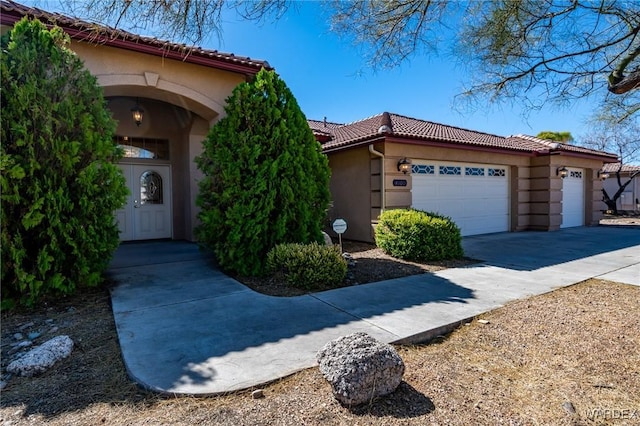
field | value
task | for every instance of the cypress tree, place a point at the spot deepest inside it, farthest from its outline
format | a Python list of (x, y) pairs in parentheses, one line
[(60, 184), (266, 180)]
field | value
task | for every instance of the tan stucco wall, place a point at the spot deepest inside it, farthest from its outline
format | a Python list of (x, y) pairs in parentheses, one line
[(199, 132), (195, 88), (351, 191)]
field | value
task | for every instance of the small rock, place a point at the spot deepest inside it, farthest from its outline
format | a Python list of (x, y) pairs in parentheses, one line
[(327, 239), (482, 321), (3, 385), (42, 357), (53, 330), (568, 407), (25, 326), (16, 347), (49, 321), (71, 309), (34, 335), (257, 394), (351, 262), (18, 336)]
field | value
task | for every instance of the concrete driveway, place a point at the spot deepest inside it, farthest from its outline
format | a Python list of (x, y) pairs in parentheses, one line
[(186, 328)]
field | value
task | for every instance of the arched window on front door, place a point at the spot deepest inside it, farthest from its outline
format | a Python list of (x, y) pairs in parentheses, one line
[(150, 188)]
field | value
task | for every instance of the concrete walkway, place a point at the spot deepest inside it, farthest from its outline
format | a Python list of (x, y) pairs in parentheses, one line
[(186, 328)]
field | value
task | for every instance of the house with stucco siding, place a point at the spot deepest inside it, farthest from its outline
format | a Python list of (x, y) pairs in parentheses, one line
[(485, 183), (166, 96), (181, 92)]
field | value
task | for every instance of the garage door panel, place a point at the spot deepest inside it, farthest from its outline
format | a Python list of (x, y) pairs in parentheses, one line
[(492, 209), (477, 201), (573, 199)]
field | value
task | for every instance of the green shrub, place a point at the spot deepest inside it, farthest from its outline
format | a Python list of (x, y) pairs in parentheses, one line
[(266, 180), (59, 181), (416, 235), (307, 266)]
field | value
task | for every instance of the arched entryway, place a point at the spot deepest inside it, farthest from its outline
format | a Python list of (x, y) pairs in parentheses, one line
[(159, 167)]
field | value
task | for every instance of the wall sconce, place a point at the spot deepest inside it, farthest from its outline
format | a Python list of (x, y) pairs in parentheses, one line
[(603, 175), (562, 172), (137, 113), (404, 165)]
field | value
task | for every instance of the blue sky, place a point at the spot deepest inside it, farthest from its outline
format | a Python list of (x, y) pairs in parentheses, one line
[(329, 78)]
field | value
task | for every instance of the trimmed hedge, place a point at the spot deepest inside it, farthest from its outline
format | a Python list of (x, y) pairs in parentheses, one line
[(417, 235), (307, 266)]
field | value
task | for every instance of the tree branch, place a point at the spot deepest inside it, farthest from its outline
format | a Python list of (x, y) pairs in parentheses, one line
[(619, 83)]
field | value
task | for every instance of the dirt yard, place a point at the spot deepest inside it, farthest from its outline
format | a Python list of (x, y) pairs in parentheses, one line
[(569, 357)]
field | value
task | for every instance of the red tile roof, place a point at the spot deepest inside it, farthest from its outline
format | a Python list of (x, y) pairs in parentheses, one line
[(399, 126), (322, 126), (626, 168), (565, 146), (11, 12)]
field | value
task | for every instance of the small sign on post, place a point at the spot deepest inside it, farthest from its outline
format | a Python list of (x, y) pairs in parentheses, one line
[(339, 226)]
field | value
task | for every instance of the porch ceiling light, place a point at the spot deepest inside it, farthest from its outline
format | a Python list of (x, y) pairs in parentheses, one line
[(404, 165), (137, 113), (603, 175), (562, 172)]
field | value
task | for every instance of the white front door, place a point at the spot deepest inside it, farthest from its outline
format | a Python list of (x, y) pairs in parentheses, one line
[(147, 214)]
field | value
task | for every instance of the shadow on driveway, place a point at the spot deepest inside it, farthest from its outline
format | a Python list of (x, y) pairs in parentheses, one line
[(185, 327)]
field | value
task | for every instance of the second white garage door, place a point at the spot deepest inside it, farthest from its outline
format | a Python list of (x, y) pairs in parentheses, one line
[(573, 199), (475, 196)]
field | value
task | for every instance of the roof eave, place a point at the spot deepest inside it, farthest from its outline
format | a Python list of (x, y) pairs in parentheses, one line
[(10, 17), (354, 144), (168, 54), (604, 157), (429, 142), (461, 145)]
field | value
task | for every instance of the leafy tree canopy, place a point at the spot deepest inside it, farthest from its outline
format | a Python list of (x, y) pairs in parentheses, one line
[(564, 137), (532, 52)]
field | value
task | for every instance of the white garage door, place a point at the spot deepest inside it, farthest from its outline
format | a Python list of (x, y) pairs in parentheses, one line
[(573, 199), (475, 196)]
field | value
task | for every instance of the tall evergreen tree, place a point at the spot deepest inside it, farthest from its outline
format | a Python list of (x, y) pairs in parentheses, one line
[(266, 180), (59, 183)]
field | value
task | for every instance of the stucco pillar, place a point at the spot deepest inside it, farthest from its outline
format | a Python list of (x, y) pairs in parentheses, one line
[(545, 195)]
